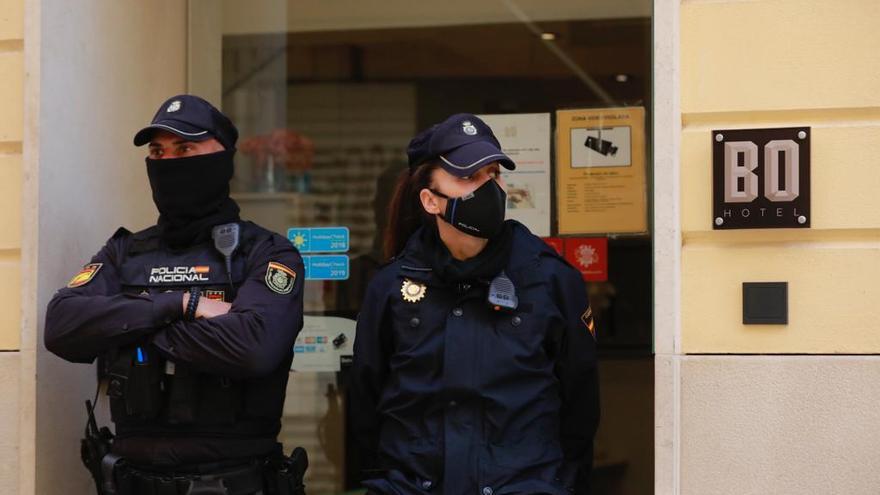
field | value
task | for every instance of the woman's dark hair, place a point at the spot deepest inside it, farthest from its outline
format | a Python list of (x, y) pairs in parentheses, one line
[(405, 212)]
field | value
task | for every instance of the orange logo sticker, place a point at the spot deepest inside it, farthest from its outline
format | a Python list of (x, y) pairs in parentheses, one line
[(85, 275)]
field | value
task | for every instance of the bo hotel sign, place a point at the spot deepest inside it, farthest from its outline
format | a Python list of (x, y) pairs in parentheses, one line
[(761, 178)]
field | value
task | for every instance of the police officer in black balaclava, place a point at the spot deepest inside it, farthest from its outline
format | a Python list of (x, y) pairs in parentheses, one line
[(475, 359), (194, 320)]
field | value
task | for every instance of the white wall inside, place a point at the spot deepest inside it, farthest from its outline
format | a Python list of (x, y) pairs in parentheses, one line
[(104, 69)]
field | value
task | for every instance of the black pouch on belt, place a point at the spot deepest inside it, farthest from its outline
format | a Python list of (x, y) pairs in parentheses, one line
[(143, 389), (220, 400), (183, 393)]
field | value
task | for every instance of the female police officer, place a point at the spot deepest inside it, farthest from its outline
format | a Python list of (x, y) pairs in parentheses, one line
[(475, 363)]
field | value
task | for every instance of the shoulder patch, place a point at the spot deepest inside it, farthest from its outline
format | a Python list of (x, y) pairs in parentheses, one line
[(85, 275), (280, 278), (587, 319)]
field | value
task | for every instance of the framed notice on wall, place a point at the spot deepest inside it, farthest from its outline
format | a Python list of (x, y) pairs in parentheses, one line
[(601, 184), (525, 138)]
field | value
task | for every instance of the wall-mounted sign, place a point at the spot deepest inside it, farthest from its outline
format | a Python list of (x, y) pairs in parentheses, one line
[(326, 266), (322, 343), (319, 239), (761, 178), (589, 255), (525, 138), (601, 184)]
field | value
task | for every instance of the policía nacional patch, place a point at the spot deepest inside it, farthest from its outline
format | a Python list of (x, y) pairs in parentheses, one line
[(587, 319), (280, 278), (85, 275)]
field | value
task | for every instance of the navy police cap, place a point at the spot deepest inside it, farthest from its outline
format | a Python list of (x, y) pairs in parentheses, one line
[(192, 118), (462, 144)]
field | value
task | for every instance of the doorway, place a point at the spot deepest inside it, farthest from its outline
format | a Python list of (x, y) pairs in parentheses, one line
[(326, 101)]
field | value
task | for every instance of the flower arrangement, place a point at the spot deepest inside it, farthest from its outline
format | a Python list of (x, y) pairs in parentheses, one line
[(287, 148)]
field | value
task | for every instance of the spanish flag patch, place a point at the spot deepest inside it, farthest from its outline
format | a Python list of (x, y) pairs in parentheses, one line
[(587, 319), (85, 275)]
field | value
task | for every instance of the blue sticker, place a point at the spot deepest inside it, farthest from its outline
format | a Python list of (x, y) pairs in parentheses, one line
[(326, 267), (320, 239)]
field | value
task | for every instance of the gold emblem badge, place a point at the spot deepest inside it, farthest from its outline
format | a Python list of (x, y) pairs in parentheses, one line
[(413, 292)]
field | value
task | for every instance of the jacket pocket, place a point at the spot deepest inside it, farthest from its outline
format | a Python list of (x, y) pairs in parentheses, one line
[(530, 466)]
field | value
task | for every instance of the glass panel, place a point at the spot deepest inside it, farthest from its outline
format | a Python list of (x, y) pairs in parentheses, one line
[(326, 96)]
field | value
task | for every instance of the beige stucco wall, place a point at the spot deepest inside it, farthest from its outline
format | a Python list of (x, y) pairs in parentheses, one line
[(783, 425), (103, 68), (784, 63), (11, 132), (776, 423), (11, 170)]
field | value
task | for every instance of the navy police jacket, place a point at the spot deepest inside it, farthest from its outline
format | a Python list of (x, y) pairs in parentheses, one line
[(451, 396), (186, 391)]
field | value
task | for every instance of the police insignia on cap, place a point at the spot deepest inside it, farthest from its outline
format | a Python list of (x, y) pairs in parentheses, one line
[(468, 128), (280, 278), (587, 319), (85, 275), (173, 106), (412, 291)]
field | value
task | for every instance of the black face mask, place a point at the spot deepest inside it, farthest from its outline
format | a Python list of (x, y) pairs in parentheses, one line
[(480, 213), (192, 195)]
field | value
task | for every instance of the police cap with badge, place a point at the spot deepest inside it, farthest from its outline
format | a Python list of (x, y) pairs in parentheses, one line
[(191, 118), (463, 144)]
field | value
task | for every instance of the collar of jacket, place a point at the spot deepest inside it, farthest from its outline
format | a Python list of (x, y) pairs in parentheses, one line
[(521, 268)]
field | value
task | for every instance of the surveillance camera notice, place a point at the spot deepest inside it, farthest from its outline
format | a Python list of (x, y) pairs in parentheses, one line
[(601, 147), (601, 182)]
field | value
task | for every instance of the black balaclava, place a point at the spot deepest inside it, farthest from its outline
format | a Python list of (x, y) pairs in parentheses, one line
[(192, 195), (479, 213)]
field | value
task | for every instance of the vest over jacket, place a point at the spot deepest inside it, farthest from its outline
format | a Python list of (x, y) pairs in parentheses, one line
[(186, 392)]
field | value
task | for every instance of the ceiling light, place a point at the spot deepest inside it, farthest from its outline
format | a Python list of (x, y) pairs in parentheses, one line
[(621, 78), (548, 36)]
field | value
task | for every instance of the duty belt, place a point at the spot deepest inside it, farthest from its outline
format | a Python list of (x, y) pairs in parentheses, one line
[(245, 480)]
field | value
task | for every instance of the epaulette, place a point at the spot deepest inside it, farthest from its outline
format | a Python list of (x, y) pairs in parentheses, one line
[(144, 240), (121, 232)]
